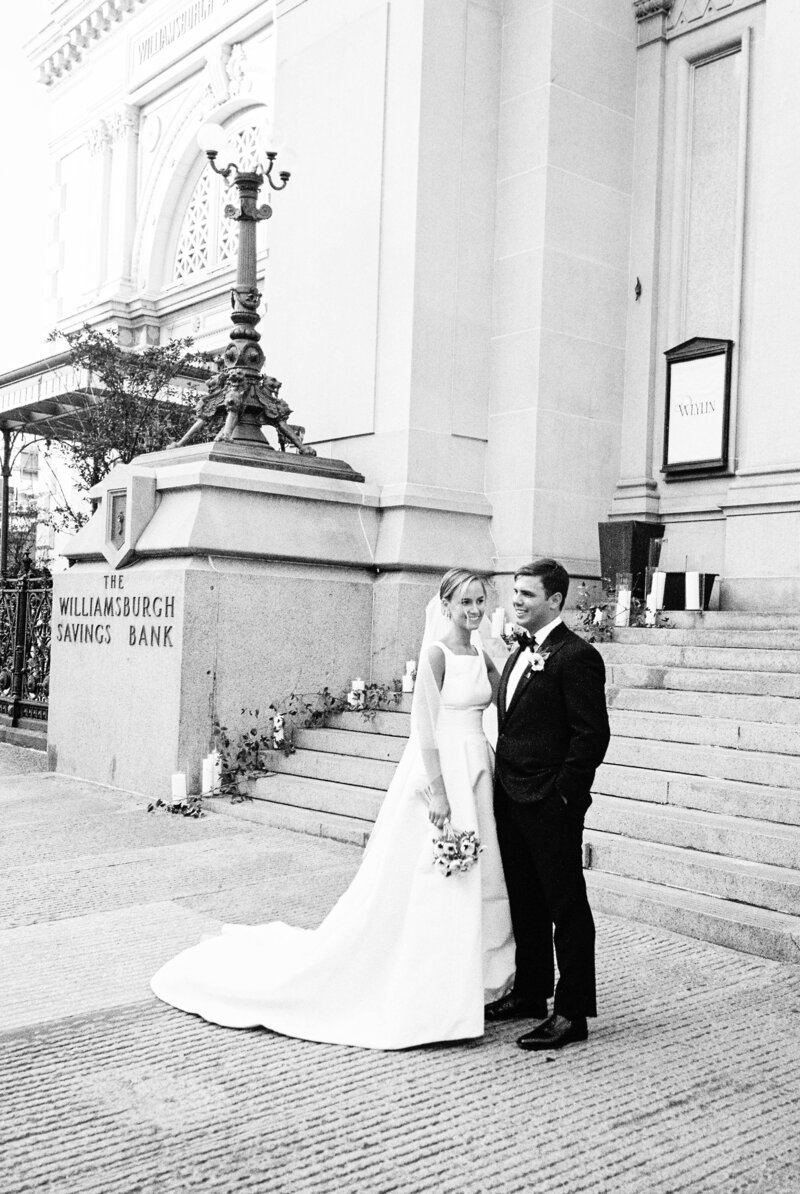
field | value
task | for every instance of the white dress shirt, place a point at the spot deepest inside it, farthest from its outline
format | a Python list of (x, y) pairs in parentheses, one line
[(524, 659)]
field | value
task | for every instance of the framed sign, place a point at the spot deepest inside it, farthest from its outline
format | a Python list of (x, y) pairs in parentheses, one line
[(697, 408)]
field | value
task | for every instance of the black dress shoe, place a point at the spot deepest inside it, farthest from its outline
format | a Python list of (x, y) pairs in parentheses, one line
[(554, 1033), (514, 1007)]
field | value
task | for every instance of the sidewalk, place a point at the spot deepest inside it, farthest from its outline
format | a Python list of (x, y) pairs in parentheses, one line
[(690, 1080)]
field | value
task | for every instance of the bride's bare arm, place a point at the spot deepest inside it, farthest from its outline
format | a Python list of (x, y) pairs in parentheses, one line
[(494, 677), (438, 804)]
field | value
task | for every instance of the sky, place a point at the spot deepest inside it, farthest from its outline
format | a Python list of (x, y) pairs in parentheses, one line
[(25, 175)]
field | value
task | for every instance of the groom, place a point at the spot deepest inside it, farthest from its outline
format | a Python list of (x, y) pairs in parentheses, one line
[(553, 734)]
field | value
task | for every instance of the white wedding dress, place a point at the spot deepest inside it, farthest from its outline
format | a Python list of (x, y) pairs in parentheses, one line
[(408, 955)]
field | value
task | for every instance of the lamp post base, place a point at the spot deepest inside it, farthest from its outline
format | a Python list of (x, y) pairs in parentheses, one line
[(252, 454)]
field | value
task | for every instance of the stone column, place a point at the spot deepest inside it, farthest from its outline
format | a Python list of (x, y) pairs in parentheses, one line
[(98, 191), (636, 494), (381, 263), (123, 125), (770, 431), (762, 545), (380, 268), (560, 278)]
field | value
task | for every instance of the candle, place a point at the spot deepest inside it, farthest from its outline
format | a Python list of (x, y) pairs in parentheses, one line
[(659, 581), (211, 768), (407, 682), (358, 685), (411, 667), (623, 614), (655, 598), (498, 622), (693, 591), (179, 786)]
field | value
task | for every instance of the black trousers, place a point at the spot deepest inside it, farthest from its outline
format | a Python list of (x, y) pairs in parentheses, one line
[(540, 844)]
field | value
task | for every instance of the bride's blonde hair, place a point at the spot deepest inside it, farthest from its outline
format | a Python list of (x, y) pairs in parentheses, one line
[(453, 580)]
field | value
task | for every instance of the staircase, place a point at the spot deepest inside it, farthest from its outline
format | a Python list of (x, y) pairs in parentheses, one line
[(695, 824), (334, 783)]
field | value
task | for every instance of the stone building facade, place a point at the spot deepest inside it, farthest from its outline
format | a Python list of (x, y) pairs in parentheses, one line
[(502, 214)]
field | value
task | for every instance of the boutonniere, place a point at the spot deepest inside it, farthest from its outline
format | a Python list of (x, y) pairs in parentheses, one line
[(515, 637), (537, 660)]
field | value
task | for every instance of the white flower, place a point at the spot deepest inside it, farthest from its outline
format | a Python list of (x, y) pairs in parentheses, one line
[(456, 850)]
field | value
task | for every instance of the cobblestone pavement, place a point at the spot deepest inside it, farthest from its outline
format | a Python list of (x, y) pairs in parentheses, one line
[(690, 1080)]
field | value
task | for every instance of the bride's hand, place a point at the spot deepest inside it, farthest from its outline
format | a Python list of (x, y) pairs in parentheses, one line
[(438, 808)]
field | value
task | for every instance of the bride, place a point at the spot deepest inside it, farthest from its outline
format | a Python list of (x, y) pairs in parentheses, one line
[(408, 955)]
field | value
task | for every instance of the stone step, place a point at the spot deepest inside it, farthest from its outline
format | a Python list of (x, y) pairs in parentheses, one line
[(661, 654), (692, 829), (360, 744), (296, 817), (725, 922), (383, 722), (716, 762), (706, 731), (758, 884), (749, 639), (32, 735), (729, 798), (336, 768), (733, 619), (345, 800), (774, 710), (623, 674), (655, 771)]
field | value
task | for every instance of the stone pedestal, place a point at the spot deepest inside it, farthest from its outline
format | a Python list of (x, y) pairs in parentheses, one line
[(202, 590)]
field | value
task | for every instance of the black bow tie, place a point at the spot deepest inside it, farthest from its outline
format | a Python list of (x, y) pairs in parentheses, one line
[(527, 641)]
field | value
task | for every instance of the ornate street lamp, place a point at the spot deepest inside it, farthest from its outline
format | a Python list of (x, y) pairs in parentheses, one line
[(241, 396)]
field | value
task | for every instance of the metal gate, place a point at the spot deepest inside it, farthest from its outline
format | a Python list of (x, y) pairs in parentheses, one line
[(26, 606)]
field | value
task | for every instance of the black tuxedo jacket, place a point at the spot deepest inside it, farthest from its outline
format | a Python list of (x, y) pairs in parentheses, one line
[(553, 735)]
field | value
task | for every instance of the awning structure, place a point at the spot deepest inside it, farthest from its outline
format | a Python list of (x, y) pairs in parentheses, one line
[(46, 399), (43, 399), (51, 418)]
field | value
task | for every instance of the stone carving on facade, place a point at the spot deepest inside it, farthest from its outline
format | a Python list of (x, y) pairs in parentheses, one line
[(112, 128), (81, 36), (695, 12), (239, 82), (650, 8), (226, 73), (98, 138), (215, 74), (123, 121)]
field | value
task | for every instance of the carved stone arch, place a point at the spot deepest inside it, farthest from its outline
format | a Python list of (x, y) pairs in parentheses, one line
[(173, 177)]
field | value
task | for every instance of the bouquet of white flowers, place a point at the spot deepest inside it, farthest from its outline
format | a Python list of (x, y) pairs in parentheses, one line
[(456, 849)]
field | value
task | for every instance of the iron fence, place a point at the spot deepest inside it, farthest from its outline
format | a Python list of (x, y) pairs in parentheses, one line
[(26, 606)]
